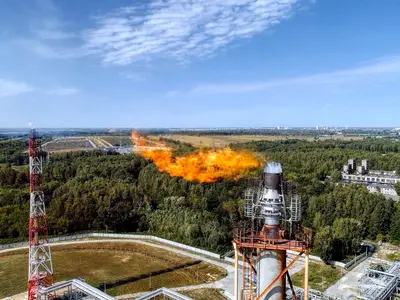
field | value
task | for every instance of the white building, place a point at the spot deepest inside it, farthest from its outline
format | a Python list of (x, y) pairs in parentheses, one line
[(369, 178), (382, 189), (376, 181)]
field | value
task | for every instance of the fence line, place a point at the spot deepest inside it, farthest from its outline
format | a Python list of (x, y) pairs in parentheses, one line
[(164, 241), (114, 235), (355, 261)]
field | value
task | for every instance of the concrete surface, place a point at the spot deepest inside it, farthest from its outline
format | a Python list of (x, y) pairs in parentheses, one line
[(347, 286)]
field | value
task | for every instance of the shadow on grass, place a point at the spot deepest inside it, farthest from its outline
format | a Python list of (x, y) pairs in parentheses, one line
[(117, 283)]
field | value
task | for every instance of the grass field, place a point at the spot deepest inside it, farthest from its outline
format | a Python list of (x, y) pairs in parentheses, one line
[(219, 141), (321, 276), (119, 268), (85, 143), (68, 144), (389, 252), (117, 140), (205, 294)]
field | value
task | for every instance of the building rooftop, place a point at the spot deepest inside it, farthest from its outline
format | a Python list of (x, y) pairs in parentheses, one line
[(381, 185)]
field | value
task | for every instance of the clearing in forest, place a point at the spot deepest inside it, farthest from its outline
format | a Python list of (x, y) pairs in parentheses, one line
[(220, 141), (118, 268)]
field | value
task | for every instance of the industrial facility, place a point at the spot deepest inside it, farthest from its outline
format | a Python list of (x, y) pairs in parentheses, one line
[(380, 282), (41, 284), (273, 229), (376, 181), (261, 264)]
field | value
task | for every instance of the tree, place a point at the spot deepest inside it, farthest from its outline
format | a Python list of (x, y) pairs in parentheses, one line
[(323, 243), (336, 176), (348, 232), (394, 233), (397, 188)]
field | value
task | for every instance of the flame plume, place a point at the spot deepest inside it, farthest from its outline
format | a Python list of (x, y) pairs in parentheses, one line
[(205, 165)]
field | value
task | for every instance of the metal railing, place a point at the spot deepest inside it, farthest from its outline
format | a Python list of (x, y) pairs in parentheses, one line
[(170, 294), (74, 284), (355, 261)]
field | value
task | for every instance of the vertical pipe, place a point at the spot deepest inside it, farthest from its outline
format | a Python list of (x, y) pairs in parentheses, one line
[(282, 266), (236, 271), (306, 277), (242, 291)]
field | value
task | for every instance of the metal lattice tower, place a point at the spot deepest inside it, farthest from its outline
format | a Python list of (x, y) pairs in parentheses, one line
[(40, 269)]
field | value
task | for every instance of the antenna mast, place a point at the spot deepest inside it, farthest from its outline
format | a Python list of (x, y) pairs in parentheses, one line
[(40, 269)]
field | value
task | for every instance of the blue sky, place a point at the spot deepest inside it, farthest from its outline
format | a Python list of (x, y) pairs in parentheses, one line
[(170, 63)]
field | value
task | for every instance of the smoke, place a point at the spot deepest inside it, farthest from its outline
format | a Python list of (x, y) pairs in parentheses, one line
[(273, 167)]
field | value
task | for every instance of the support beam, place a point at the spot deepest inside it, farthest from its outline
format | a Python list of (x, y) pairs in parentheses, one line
[(306, 276), (236, 292), (291, 286), (248, 261), (265, 291)]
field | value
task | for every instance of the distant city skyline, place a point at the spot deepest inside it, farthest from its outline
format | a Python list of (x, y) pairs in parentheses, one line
[(213, 63)]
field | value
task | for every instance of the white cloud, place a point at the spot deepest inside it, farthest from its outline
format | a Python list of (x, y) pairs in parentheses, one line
[(181, 29), (10, 88), (50, 51), (376, 71), (53, 34), (13, 88), (51, 28), (62, 91), (50, 37)]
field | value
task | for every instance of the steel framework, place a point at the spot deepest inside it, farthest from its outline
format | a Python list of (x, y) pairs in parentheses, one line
[(381, 282), (73, 289), (264, 202), (40, 269), (250, 244)]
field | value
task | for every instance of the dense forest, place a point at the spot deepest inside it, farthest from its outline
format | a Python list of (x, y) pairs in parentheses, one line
[(126, 193), (12, 151)]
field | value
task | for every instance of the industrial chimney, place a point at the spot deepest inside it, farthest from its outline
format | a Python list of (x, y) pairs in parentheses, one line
[(271, 262), (263, 248)]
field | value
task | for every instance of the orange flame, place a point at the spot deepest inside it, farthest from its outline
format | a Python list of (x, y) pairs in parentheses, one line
[(204, 166)]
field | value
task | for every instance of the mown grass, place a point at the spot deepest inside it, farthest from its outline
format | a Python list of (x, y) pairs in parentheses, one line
[(102, 264), (219, 140), (205, 294), (224, 140), (389, 252), (393, 256), (321, 276)]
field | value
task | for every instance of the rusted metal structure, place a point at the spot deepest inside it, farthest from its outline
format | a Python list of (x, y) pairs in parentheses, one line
[(260, 248)]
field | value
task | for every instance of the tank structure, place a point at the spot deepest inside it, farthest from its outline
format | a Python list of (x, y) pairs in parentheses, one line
[(262, 245)]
